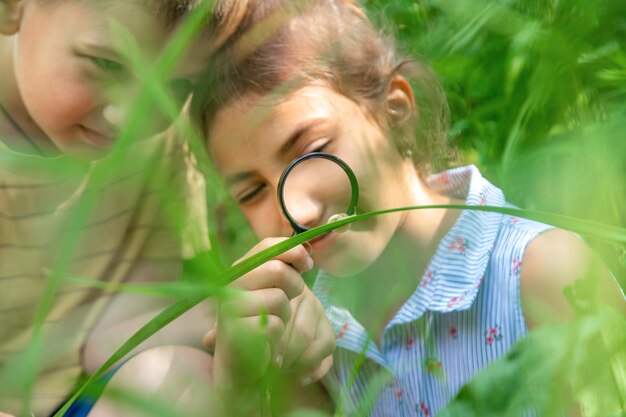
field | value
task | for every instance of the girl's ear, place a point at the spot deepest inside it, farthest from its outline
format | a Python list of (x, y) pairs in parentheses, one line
[(10, 16), (400, 102)]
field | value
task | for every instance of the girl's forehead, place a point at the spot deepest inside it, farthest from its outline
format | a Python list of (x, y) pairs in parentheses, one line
[(255, 128), (252, 116)]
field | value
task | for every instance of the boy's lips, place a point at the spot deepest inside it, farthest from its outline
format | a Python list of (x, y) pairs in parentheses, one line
[(96, 138)]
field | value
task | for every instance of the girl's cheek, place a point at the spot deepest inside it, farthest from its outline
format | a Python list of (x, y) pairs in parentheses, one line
[(264, 220), (259, 226)]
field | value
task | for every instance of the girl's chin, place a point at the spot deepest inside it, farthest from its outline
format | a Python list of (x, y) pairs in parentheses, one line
[(338, 262), (324, 243)]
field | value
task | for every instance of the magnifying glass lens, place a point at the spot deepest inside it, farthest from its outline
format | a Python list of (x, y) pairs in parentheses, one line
[(316, 184)]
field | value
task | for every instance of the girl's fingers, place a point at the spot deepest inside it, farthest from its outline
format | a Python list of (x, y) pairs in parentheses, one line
[(260, 315), (318, 372), (249, 329), (299, 257), (272, 274), (309, 337), (318, 350), (208, 340), (254, 322), (301, 329), (268, 301)]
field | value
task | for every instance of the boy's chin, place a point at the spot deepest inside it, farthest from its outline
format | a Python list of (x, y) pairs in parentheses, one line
[(80, 149), (84, 152)]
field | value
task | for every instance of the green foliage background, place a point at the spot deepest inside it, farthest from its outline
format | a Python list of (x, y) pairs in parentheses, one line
[(537, 91)]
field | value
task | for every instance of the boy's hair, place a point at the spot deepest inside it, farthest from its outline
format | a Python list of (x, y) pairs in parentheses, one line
[(283, 44), (225, 14), (171, 11), (222, 22)]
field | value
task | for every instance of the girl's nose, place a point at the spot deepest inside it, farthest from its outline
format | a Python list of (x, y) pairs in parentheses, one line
[(304, 208)]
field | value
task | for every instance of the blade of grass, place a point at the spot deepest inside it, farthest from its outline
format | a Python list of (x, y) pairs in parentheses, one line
[(581, 226)]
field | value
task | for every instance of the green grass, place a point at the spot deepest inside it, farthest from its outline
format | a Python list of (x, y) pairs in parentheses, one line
[(537, 91)]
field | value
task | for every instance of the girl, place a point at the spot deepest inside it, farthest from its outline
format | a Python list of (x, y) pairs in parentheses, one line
[(430, 297)]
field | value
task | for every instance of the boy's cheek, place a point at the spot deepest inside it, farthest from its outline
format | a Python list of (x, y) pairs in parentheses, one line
[(65, 104)]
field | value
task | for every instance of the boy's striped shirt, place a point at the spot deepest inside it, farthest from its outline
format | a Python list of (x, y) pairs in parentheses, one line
[(129, 224)]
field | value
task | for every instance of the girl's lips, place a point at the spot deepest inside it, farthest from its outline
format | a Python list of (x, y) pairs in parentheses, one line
[(323, 242)]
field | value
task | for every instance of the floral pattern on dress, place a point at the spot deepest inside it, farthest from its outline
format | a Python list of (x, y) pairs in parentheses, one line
[(494, 334), (516, 266), (483, 198), (428, 276), (343, 331), (454, 332), (410, 343), (422, 409), (455, 300), (398, 394), (460, 245)]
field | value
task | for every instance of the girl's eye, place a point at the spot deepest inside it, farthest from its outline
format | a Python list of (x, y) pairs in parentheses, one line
[(106, 64), (250, 195), (318, 147)]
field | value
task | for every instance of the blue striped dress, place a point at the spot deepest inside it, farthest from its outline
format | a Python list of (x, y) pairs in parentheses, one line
[(464, 314)]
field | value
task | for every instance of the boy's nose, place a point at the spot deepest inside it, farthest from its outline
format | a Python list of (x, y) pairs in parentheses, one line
[(118, 113), (115, 115), (120, 102)]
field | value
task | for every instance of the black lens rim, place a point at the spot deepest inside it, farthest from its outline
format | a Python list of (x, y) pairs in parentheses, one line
[(297, 227)]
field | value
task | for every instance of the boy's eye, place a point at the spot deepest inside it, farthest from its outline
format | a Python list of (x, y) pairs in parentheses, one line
[(248, 196), (106, 64)]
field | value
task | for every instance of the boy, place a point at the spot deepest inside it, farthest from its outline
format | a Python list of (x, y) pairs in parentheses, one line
[(66, 91)]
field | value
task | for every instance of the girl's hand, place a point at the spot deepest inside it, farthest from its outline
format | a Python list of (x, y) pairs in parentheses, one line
[(251, 323), (305, 348)]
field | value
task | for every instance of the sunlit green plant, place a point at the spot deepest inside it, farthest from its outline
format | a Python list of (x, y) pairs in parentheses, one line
[(537, 91)]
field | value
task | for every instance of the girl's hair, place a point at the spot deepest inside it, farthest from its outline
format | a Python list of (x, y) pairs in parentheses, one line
[(283, 44)]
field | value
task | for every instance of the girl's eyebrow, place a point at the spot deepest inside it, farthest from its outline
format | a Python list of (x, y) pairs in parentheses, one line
[(238, 177), (286, 147), (297, 135)]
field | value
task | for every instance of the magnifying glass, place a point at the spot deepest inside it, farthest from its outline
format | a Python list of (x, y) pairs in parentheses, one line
[(322, 176)]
